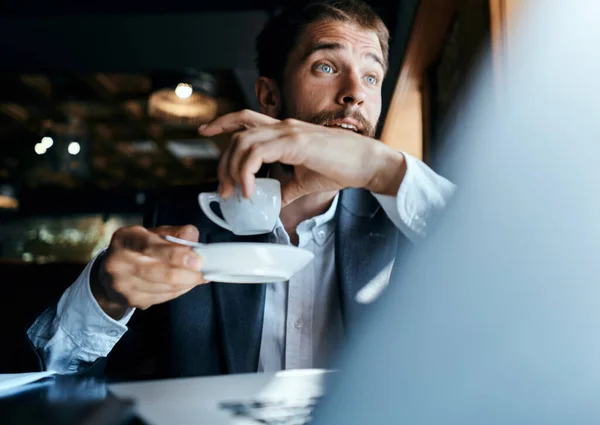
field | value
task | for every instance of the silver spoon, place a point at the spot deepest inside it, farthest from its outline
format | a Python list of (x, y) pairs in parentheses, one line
[(182, 241)]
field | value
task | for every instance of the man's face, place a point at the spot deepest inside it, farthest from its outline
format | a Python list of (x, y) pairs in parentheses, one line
[(333, 77)]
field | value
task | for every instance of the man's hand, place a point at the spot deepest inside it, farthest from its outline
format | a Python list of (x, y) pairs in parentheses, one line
[(141, 269), (325, 158)]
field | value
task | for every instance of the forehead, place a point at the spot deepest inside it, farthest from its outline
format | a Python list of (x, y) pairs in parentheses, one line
[(349, 34)]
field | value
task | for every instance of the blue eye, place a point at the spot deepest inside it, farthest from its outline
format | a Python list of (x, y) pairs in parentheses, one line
[(371, 80), (327, 69)]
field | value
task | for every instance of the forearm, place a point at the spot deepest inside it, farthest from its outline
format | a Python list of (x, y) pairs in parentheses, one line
[(390, 169), (76, 332), (99, 282)]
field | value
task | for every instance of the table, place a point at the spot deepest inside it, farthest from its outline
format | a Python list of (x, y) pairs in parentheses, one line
[(231, 399), (65, 400), (217, 400)]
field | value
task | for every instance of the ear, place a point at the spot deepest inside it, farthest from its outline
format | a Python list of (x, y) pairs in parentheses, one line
[(269, 96)]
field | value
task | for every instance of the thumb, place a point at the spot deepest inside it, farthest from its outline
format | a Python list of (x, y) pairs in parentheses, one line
[(188, 232), (290, 192)]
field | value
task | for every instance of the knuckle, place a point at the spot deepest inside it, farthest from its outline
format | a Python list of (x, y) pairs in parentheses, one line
[(295, 136), (172, 276), (126, 236), (136, 229), (222, 170), (171, 254), (138, 303), (177, 255), (290, 122), (189, 230), (236, 138), (119, 235), (130, 297), (255, 149), (245, 144), (300, 138), (199, 278), (144, 246), (233, 174), (175, 294), (142, 272), (200, 261), (121, 289), (195, 279), (242, 140), (161, 229), (250, 162), (112, 265)]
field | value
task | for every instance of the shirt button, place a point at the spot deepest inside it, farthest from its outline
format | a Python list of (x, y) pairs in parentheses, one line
[(321, 234), (112, 332), (298, 324)]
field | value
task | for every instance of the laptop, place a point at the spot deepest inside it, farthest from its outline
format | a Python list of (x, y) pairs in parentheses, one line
[(495, 318)]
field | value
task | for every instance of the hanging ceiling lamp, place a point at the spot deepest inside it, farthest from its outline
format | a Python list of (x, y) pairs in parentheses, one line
[(8, 197), (190, 101)]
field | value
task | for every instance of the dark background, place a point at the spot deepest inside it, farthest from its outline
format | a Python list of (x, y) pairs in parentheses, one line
[(96, 64), (84, 71)]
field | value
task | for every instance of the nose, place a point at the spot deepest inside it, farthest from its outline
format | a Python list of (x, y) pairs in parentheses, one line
[(353, 92)]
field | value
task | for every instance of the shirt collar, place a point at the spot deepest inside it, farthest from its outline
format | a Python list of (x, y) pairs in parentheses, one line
[(328, 215), (318, 228)]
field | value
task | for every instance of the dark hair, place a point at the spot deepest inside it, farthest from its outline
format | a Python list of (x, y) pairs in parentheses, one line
[(280, 35)]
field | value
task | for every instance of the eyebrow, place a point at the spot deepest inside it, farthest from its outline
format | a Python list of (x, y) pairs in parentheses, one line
[(339, 46)]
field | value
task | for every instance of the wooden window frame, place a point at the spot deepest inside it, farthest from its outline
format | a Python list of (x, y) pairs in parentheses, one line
[(406, 125)]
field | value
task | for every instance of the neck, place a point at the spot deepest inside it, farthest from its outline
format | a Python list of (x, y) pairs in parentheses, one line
[(302, 208)]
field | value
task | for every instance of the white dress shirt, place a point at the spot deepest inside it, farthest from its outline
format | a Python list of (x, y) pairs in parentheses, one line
[(304, 323), (302, 319)]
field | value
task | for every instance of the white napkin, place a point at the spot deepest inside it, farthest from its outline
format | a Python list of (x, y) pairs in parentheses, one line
[(13, 380)]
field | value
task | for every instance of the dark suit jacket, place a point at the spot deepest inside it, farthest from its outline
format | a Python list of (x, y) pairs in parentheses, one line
[(216, 328)]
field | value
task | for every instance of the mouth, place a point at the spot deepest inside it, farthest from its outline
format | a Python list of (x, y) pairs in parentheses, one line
[(344, 126)]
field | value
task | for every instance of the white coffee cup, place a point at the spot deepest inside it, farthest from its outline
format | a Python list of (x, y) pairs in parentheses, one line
[(246, 216)]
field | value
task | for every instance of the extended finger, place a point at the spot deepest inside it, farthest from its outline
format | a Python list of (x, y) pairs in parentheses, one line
[(236, 121), (162, 277), (174, 255), (124, 263), (242, 145), (132, 287), (154, 246), (226, 183), (282, 150), (136, 238)]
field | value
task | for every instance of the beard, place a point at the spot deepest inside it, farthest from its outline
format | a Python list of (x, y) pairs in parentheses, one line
[(327, 118)]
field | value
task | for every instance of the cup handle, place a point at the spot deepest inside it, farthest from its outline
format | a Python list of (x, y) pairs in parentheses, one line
[(205, 199)]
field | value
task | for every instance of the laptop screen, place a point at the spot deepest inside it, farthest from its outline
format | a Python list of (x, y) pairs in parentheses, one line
[(494, 318)]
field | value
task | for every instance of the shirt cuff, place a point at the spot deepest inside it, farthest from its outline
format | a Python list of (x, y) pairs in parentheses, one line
[(82, 318), (421, 195)]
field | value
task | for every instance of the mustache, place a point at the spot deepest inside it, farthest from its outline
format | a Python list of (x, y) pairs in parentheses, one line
[(329, 117)]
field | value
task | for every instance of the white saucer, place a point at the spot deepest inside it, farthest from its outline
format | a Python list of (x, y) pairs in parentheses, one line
[(243, 262)]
